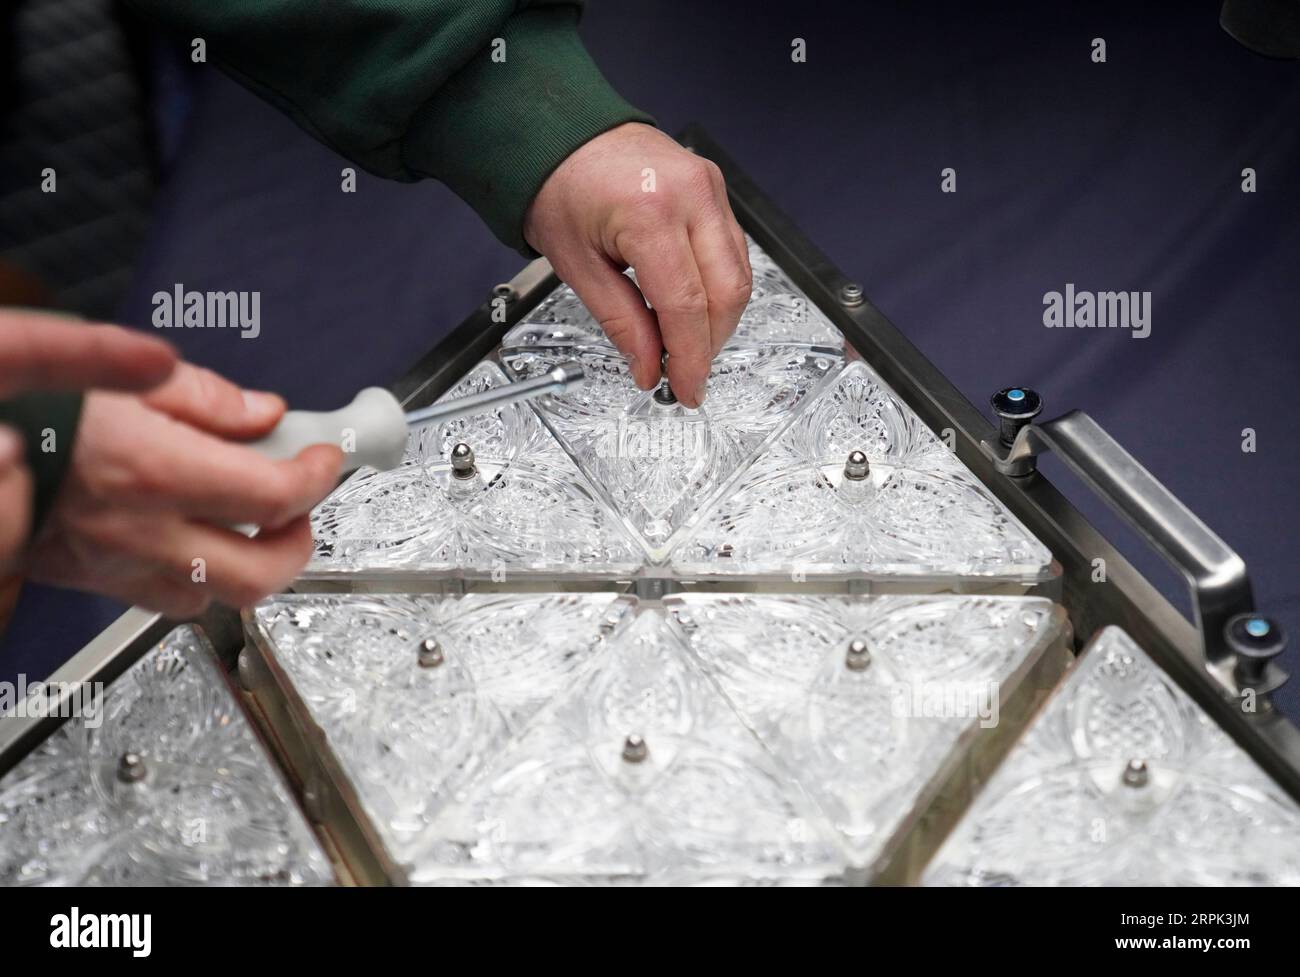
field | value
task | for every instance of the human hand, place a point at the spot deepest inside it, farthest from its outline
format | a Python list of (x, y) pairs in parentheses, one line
[(153, 485), (40, 351), (594, 216)]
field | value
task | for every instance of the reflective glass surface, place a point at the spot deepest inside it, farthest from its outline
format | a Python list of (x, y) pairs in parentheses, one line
[(164, 784)]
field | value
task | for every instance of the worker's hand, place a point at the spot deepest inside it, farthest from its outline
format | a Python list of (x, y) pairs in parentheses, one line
[(43, 352), (153, 485), (633, 196), (15, 498)]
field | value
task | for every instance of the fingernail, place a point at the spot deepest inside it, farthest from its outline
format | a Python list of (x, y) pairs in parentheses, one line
[(257, 402), (701, 391), (11, 446)]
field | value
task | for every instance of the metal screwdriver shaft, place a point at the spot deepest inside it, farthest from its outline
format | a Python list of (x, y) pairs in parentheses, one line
[(372, 430), (556, 380)]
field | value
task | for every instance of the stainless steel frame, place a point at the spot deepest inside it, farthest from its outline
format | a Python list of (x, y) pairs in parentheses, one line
[(1125, 598)]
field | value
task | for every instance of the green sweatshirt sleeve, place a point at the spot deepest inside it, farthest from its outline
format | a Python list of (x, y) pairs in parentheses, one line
[(487, 96), (48, 424)]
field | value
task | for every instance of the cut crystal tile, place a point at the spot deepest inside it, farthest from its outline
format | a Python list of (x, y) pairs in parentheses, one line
[(910, 508), (1124, 780), (525, 508), (415, 693), (871, 702), (639, 772), (661, 464), (778, 313), (165, 785)]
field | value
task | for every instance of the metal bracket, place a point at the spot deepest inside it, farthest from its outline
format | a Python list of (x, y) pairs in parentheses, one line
[(1237, 644)]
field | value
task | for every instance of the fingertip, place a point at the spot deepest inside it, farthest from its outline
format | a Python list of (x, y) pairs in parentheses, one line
[(11, 446), (689, 385), (262, 408), (645, 373), (325, 460)]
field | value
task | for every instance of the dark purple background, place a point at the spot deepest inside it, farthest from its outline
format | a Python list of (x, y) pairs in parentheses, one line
[(1115, 176)]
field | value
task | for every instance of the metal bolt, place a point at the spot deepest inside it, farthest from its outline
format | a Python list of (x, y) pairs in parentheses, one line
[(851, 294), (131, 768), (1255, 641), (858, 656), (430, 654), (1136, 774), (504, 291), (1015, 407), (462, 461), (634, 749), (857, 467), (664, 395)]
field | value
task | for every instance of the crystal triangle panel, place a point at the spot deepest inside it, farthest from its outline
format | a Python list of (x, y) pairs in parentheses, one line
[(639, 772), (520, 506), (1124, 780), (658, 463), (414, 694), (858, 486), (871, 702), (163, 783), (778, 314)]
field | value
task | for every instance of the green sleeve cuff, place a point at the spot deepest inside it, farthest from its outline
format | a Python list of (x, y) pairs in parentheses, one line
[(48, 424), (497, 129)]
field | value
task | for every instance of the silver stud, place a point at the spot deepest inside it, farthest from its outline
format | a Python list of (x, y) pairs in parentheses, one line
[(1136, 774), (857, 467), (664, 395), (430, 654), (131, 768), (634, 749), (462, 460), (858, 657)]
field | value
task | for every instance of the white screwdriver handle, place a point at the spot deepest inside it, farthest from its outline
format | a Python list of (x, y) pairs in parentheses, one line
[(371, 431)]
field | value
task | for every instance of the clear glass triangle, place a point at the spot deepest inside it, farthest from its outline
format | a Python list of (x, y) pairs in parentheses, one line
[(778, 313), (410, 724), (869, 734), (917, 513), (660, 465), (165, 785), (525, 510), (639, 772), (1123, 780)]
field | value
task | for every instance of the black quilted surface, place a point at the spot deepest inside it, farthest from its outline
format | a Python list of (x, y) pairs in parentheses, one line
[(73, 103)]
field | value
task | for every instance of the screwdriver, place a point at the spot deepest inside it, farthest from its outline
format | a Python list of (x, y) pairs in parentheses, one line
[(375, 426)]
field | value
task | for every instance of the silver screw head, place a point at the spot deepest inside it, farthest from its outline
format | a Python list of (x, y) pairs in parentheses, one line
[(131, 768), (851, 294), (664, 395), (1136, 774), (857, 467), (858, 656), (635, 749), (462, 460), (430, 654)]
